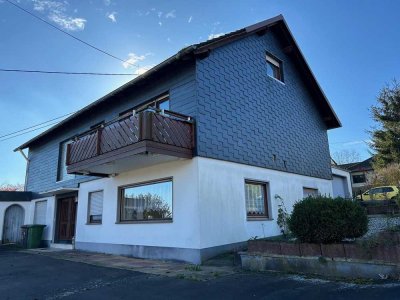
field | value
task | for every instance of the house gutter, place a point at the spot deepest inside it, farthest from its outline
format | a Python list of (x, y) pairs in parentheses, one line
[(23, 154)]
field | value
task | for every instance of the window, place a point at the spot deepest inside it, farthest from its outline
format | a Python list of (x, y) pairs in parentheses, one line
[(62, 164), (376, 191), (40, 212), (359, 178), (310, 192), (387, 190), (256, 199), (164, 104), (146, 201), (160, 102), (274, 67), (95, 207)]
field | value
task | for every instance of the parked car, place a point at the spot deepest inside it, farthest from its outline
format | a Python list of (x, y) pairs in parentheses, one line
[(380, 193)]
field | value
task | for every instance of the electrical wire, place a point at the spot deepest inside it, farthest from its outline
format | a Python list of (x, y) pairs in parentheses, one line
[(21, 130), (67, 33), (11, 137), (67, 73)]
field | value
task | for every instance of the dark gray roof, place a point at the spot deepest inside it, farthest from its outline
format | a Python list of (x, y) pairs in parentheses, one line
[(364, 165), (277, 24), (15, 196)]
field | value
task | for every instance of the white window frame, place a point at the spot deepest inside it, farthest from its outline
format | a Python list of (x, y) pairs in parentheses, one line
[(89, 221), (277, 63)]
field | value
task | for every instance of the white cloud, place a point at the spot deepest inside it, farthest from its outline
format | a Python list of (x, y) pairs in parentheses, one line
[(112, 16), (107, 2), (190, 19), (215, 35), (170, 14), (169, 40), (160, 23), (132, 60), (68, 23), (159, 14), (56, 11), (354, 143)]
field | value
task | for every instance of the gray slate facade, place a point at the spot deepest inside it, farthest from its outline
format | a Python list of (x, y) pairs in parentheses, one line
[(242, 115), (246, 116)]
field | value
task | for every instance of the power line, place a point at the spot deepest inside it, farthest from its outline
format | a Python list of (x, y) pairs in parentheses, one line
[(11, 137), (67, 73), (12, 133), (70, 35)]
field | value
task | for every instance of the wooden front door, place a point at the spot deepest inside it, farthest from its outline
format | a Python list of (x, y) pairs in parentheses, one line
[(66, 215)]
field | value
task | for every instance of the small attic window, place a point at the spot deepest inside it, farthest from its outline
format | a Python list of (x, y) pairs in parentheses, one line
[(274, 67)]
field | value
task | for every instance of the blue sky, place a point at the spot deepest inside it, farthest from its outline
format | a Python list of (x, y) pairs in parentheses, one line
[(351, 46)]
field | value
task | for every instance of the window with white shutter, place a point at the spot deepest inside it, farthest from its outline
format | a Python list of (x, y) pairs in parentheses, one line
[(95, 213), (40, 212)]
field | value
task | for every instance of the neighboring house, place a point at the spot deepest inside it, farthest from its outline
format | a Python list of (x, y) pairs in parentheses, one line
[(184, 161), (361, 175)]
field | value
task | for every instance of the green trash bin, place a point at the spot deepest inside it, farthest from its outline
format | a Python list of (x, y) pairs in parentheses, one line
[(32, 235)]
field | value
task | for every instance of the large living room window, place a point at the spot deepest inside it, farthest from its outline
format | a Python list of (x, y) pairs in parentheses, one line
[(150, 201), (256, 199)]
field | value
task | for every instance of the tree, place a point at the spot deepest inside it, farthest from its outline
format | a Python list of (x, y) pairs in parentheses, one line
[(385, 139), (346, 156), (147, 206), (389, 175), (6, 187)]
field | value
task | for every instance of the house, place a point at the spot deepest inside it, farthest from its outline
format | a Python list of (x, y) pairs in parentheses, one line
[(184, 162), (361, 175)]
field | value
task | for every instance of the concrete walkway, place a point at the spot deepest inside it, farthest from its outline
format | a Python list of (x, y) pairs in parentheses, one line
[(212, 269)]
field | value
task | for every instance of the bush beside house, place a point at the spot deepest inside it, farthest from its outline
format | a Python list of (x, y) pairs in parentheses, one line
[(325, 220)]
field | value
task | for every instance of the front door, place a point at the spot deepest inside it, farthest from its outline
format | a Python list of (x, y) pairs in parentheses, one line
[(66, 215)]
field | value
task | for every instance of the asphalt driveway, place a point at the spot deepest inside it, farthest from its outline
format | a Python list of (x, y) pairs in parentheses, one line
[(31, 276)]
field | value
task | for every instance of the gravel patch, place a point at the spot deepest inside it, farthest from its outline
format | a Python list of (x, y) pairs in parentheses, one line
[(379, 223)]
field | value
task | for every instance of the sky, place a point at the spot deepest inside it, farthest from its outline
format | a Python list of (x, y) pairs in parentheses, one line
[(352, 48)]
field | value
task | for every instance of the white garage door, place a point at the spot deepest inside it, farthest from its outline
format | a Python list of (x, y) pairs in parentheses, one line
[(339, 187), (40, 212)]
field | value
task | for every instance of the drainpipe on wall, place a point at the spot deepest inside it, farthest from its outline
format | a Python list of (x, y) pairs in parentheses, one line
[(27, 165)]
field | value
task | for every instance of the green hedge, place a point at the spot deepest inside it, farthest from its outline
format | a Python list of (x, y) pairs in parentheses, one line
[(325, 220)]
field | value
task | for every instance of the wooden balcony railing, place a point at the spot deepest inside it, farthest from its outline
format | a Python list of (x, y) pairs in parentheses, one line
[(146, 131)]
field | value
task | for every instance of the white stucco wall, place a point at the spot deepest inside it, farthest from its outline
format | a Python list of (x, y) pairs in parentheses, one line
[(183, 232), (208, 204), (222, 200), (48, 233), (29, 212)]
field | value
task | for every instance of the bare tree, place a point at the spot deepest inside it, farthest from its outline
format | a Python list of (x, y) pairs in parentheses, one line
[(6, 187), (346, 156)]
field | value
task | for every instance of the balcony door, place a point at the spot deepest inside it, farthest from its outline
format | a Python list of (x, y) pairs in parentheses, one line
[(66, 219)]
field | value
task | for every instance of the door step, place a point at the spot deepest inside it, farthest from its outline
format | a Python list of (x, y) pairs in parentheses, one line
[(61, 246)]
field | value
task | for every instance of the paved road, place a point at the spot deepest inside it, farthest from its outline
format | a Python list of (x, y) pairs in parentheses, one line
[(30, 276)]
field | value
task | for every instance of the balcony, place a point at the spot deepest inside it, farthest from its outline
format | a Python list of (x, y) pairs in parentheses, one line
[(133, 141)]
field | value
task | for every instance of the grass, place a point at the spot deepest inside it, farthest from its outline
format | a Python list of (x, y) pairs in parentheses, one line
[(195, 268), (281, 238)]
